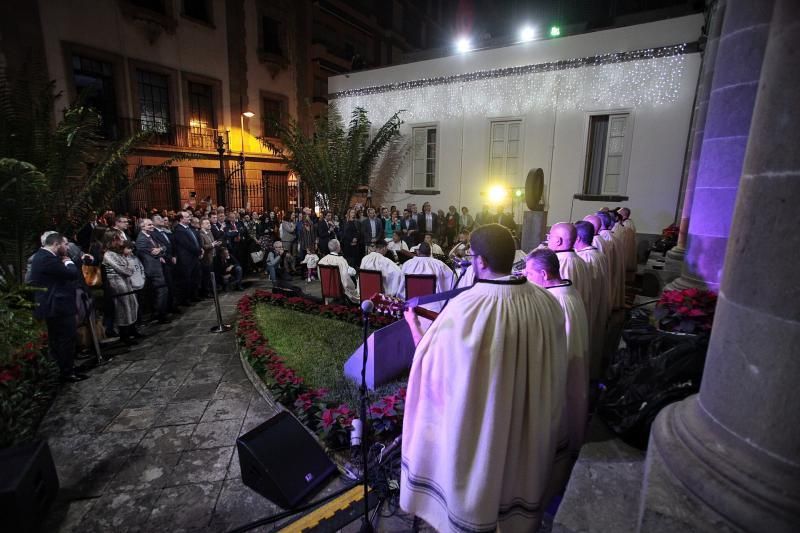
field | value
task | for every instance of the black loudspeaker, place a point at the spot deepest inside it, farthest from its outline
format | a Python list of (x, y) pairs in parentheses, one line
[(534, 186), (281, 461), (28, 485)]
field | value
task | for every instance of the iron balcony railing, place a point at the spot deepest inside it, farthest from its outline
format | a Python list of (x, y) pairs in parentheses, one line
[(173, 135)]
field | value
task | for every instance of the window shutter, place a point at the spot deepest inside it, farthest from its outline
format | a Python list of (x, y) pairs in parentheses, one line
[(614, 181), (420, 149)]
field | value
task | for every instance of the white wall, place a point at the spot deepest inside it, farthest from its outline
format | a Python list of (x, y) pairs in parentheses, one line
[(554, 132)]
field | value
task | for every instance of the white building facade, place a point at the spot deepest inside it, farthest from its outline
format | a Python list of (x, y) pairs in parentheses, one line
[(606, 115)]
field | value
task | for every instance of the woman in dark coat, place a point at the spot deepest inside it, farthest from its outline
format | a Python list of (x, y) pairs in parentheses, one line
[(352, 244)]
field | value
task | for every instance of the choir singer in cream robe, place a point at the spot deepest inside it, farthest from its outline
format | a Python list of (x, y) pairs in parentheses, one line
[(390, 273), (346, 272), (485, 399), (542, 268)]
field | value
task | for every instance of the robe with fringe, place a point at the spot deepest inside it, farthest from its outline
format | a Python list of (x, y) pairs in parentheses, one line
[(483, 408)]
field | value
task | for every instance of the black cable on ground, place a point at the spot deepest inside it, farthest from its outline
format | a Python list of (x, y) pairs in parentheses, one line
[(285, 514)]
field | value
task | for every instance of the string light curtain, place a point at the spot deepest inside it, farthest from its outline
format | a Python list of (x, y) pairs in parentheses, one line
[(650, 77)]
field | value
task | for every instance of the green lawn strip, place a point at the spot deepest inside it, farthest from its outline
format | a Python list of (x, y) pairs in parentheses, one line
[(317, 348)]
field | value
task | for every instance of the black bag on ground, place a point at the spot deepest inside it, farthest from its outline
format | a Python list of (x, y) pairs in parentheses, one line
[(652, 371)]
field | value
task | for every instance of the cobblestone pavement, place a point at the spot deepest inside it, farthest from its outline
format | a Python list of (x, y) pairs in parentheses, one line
[(148, 442)]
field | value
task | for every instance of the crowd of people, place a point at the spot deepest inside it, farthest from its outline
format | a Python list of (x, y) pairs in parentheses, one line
[(150, 267)]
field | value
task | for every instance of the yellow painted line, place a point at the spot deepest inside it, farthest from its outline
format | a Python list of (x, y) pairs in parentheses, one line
[(309, 521)]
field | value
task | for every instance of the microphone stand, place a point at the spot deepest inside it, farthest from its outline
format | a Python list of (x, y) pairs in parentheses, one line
[(366, 525)]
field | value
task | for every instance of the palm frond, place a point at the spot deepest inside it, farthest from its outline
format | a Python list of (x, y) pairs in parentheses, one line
[(335, 160)]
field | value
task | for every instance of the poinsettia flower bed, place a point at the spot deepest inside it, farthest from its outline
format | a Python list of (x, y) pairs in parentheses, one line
[(328, 417), (338, 312), (28, 379), (686, 311)]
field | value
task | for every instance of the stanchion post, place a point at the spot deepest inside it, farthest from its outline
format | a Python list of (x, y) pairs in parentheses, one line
[(220, 327)]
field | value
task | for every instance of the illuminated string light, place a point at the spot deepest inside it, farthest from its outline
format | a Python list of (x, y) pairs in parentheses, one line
[(650, 77)]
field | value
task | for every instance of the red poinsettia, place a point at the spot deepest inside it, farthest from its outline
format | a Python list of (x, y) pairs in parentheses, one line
[(686, 311)]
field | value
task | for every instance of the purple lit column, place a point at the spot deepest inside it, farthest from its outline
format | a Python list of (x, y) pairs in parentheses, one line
[(728, 459), (695, 142), (730, 106)]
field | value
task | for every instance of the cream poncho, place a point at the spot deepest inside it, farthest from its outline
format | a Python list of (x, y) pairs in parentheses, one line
[(484, 403)]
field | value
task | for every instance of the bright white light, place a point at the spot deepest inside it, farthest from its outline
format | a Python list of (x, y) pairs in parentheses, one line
[(463, 45), (497, 194), (527, 34), (249, 114)]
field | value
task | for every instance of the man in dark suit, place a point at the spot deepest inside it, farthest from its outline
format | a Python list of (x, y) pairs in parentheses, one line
[(151, 254), (372, 229), (53, 271), (325, 231), (427, 222), (217, 228), (163, 236), (187, 254), (408, 226)]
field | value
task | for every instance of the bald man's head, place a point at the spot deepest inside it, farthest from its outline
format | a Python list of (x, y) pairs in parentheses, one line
[(561, 237), (595, 221)]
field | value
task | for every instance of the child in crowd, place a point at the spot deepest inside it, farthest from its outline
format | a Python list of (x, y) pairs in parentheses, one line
[(310, 260)]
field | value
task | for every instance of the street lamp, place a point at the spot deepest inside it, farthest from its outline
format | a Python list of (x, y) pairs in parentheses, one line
[(248, 114)]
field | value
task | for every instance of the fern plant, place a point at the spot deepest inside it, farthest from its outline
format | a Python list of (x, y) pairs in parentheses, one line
[(335, 161)]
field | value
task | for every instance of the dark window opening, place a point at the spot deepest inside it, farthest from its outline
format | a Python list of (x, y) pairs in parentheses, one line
[(202, 121), (153, 101), (94, 82), (270, 36), (274, 114), (197, 9), (595, 155)]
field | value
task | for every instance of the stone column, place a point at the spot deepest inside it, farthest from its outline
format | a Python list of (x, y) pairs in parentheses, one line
[(728, 459), (733, 92), (694, 145)]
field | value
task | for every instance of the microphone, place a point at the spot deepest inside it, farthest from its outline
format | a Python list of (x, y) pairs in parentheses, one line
[(367, 307)]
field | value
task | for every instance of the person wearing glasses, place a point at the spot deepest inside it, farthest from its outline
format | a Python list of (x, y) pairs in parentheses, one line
[(485, 400)]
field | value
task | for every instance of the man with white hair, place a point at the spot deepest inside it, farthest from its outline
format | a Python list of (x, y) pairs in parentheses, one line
[(346, 272), (390, 273)]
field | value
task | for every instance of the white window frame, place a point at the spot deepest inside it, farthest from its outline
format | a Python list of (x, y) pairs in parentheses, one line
[(437, 157), (511, 180), (626, 153)]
